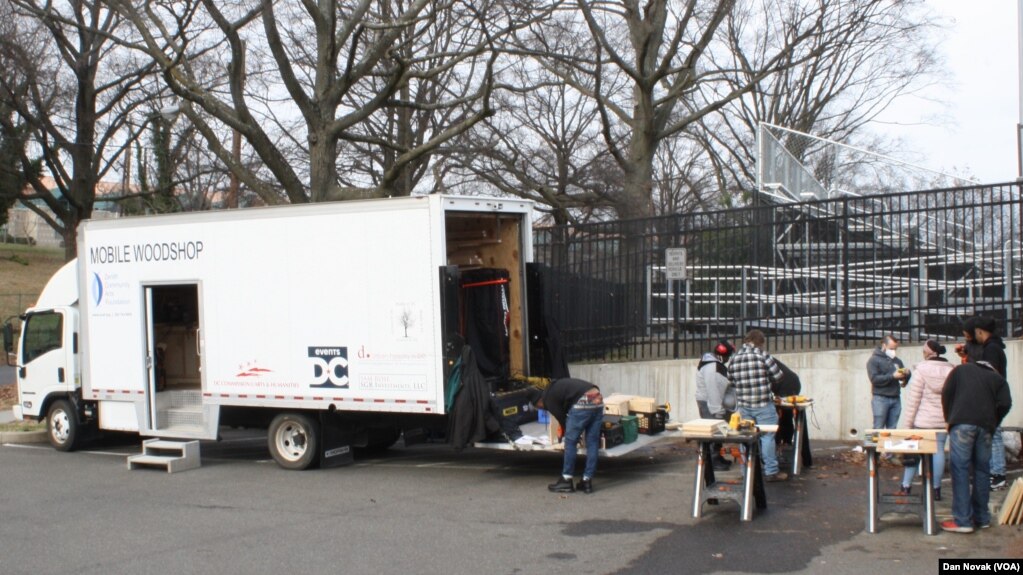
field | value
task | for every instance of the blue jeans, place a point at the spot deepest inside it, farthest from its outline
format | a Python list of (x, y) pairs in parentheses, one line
[(997, 453), (970, 444), (886, 411), (764, 415), (581, 421), (937, 464)]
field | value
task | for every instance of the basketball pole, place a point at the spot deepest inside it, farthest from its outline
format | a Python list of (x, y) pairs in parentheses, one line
[(1019, 123)]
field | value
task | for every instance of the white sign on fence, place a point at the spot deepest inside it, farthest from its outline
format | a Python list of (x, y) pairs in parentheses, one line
[(675, 263)]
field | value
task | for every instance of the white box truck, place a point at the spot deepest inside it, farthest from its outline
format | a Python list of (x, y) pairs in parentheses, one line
[(332, 324)]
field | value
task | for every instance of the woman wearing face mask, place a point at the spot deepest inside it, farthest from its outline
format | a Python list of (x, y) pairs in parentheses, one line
[(923, 409), (887, 377)]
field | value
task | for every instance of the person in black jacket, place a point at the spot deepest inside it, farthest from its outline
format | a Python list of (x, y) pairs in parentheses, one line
[(992, 350), (579, 408), (974, 400), (969, 350)]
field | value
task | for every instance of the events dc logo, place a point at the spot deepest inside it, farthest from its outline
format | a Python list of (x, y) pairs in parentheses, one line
[(330, 366)]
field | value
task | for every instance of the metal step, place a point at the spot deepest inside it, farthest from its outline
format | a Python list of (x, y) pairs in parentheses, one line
[(170, 455), (181, 416)]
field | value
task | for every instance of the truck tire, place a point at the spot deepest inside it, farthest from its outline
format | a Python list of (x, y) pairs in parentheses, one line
[(62, 427), (294, 440)]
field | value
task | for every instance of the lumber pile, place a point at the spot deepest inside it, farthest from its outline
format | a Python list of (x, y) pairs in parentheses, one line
[(1012, 507), (704, 427)]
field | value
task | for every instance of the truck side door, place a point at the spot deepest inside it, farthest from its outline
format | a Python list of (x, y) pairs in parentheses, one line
[(43, 358)]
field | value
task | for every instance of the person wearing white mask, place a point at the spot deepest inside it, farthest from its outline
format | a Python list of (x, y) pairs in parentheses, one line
[(887, 376)]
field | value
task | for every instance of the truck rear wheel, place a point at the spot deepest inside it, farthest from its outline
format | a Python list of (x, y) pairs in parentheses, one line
[(293, 440), (62, 425)]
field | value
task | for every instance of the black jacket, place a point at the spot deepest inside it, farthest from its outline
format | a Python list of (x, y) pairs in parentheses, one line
[(470, 420), (994, 353), (975, 395), (562, 394)]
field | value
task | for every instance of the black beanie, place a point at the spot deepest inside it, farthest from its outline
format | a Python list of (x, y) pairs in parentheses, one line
[(987, 324)]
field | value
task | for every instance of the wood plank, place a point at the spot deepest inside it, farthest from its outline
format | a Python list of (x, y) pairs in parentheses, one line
[(1012, 505), (1017, 503)]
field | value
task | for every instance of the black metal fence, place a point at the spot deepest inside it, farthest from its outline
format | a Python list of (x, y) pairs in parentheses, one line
[(834, 273)]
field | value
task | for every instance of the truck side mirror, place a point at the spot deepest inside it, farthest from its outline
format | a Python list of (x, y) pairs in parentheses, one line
[(8, 337)]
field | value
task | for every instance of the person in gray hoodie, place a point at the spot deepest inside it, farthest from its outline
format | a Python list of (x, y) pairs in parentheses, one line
[(715, 395), (887, 377)]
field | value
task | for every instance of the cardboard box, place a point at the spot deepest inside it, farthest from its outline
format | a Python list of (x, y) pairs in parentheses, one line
[(906, 440), (554, 430), (643, 404), (617, 404)]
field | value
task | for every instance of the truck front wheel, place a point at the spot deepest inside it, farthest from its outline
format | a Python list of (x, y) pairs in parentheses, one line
[(62, 425), (293, 440)]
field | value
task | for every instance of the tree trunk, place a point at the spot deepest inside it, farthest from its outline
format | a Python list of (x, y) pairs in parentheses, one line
[(637, 189), (322, 164)]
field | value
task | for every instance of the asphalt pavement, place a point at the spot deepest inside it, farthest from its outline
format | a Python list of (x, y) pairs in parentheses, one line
[(429, 510)]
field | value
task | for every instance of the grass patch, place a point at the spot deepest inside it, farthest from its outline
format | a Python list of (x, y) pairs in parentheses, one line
[(27, 425), (25, 271)]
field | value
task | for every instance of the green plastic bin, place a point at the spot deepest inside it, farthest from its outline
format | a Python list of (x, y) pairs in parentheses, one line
[(630, 424)]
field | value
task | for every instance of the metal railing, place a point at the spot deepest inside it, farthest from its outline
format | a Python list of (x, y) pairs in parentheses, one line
[(832, 273)]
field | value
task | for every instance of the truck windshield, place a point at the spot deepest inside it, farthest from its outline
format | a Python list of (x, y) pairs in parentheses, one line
[(42, 334)]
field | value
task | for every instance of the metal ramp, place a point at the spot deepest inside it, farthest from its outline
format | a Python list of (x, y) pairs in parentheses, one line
[(166, 454)]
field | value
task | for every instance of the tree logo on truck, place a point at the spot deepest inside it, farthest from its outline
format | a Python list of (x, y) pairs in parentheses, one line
[(330, 366)]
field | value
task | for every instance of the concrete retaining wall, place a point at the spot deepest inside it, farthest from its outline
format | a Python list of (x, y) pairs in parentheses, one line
[(836, 380)]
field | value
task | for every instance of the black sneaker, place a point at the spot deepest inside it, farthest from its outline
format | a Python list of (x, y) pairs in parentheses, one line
[(721, 464), (562, 485), (997, 482), (585, 485)]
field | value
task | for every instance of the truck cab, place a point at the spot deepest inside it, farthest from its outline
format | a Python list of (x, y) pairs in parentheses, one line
[(48, 362)]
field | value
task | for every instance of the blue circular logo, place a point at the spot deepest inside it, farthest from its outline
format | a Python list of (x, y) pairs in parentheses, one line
[(96, 287)]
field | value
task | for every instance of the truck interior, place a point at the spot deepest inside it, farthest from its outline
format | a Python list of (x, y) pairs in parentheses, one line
[(177, 383), (484, 291)]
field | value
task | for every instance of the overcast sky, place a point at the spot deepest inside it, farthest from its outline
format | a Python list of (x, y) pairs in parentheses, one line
[(968, 127)]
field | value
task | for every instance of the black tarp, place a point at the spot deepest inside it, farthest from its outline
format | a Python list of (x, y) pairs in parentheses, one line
[(484, 319)]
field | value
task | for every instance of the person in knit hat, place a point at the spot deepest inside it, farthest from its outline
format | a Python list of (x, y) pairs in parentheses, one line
[(922, 410), (715, 394), (992, 350)]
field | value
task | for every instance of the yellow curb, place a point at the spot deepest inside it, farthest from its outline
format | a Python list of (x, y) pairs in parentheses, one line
[(23, 436)]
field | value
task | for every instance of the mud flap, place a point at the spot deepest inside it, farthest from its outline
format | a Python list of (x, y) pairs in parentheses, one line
[(336, 438)]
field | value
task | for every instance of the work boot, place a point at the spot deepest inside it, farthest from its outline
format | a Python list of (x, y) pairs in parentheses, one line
[(562, 485), (903, 491), (720, 463), (585, 485), (780, 476)]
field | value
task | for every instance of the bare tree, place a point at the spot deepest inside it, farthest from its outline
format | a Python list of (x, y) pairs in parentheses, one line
[(305, 83), (646, 69), (74, 93), (542, 144)]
